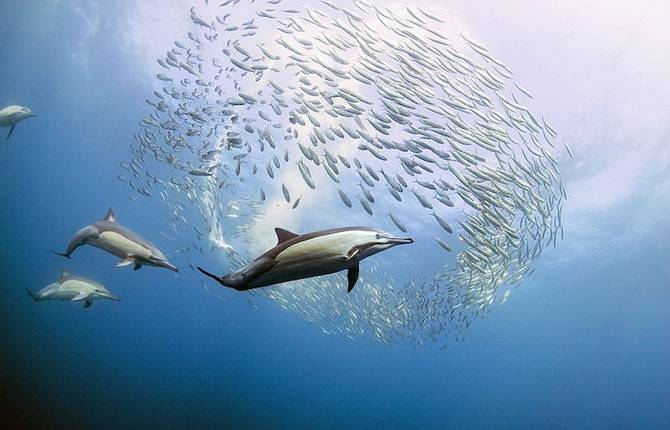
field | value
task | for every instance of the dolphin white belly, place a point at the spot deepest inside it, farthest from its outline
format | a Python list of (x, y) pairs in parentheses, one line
[(326, 247), (119, 245)]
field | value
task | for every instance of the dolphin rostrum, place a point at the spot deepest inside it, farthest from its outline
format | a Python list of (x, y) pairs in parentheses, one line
[(111, 236), (12, 115), (73, 288), (312, 254)]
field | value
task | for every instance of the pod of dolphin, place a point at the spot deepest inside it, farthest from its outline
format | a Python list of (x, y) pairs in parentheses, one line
[(110, 236), (391, 114), (388, 112)]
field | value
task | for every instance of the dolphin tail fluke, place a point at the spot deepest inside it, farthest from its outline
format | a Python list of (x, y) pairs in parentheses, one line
[(31, 294), (11, 130), (218, 279), (62, 254), (227, 280)]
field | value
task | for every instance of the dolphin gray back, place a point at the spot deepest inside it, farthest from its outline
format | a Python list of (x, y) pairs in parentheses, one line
[(80, 238)]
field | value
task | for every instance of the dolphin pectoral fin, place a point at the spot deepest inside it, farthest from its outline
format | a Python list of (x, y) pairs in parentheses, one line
[(80, 296), (353, 253), (137, 266), (11, 130), (125, 262), (88, 302), (352, 277)]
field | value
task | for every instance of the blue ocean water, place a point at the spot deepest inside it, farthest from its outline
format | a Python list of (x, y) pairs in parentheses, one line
[(582, 343)]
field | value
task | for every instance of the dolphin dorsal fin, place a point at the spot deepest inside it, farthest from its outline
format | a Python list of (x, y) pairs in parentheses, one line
[(64, 274), (110, 217), (284, 235)]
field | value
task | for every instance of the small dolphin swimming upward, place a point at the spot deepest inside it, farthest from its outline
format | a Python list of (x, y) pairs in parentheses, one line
[(111, 236), (73, 288), (312, 254), (12, 115)]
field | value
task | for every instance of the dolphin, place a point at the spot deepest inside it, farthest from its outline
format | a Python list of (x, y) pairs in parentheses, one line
[(312, 254), (111, 236), (12, 115), (73, 288)]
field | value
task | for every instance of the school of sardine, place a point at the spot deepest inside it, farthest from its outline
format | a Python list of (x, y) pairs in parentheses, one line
[(386, 112)]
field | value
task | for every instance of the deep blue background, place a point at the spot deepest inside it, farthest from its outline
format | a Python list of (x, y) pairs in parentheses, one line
[(580, 345)]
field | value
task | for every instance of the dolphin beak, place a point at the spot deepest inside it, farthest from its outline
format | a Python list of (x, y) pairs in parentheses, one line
[(167, 265), (400, 240), (107, 295)]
